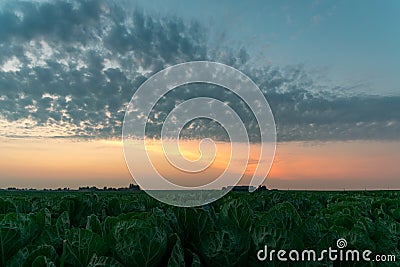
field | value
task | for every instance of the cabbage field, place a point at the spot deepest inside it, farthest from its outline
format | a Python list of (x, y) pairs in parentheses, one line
[(132, 229)]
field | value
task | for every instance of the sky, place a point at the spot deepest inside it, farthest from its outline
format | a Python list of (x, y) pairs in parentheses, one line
[(328, 70), (347, 42)]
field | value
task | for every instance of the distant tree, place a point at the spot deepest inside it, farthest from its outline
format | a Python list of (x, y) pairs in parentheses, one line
[(134, 187)]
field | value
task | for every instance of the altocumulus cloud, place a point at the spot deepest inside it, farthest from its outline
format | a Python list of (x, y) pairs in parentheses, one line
[(69, 68)]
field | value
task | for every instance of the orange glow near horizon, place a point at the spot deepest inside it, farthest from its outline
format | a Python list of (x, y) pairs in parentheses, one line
[(338, 165), (50, 163), (61, 163)]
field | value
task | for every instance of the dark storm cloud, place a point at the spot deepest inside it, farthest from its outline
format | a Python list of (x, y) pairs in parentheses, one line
[(76, 64)]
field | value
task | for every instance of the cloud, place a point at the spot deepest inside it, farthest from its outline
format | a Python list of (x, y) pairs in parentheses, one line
[(26, 20), (11, 65), (74, 65)]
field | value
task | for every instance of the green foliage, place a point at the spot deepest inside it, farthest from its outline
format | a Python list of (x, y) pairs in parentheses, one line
[(177, 254), (10, 237), (46, 255), (139, 243), (6, 206), (94, 224), (81, 245), (131, 229), (63, 225)]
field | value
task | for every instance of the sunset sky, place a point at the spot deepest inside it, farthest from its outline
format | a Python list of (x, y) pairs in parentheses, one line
[(68, 69)]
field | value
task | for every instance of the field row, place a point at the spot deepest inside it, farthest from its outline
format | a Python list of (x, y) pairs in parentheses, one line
[(132, 229)]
